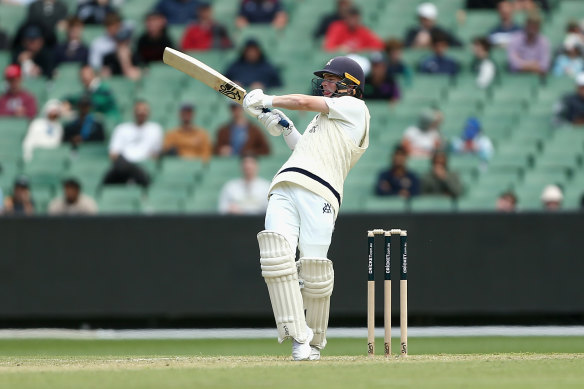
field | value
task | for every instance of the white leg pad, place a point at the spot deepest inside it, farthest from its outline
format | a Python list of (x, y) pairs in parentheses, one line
[(279, 271), (318, 277)]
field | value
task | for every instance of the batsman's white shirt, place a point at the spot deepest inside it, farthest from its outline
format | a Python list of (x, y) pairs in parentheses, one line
[(330, 146)]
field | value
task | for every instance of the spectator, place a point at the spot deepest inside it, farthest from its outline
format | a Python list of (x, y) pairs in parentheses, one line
[(34, 58), (398, 180), (73, 202), (49, 36), (380, 84), (206, 33), (530, 5), (188, 140), (395, 64), (343, 6), (422, 140), (439, 62), (500, 35), (420, 37), (94, 11), (482, 65), (570, 63), (441, 181), (132, 143), (73, 50), (4, 45), (252, 69), (261, 12), (349, 35), (44, 132), (576, 31), (528, 51), (86, 127), (551, 198), (105, 44), (247, 195), (239, 137), (507, 202), (48, 13), (121, 61), (152, 42), (21, 202), (178, 11), (102, 99), (16, 101), (571, 107), (473, 141)]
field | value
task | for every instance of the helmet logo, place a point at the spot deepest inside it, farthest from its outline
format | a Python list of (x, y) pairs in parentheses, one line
[(354, 79), (329, 62)]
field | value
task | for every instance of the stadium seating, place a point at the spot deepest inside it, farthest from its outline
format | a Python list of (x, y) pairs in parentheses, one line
[(516, 113)]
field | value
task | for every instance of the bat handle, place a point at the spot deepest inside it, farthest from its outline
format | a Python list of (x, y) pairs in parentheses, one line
[(282, 122)]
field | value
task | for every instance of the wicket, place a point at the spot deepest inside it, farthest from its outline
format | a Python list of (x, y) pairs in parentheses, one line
[(403, 292)]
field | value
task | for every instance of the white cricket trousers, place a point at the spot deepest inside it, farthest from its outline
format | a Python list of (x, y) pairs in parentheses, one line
[(303, 217)]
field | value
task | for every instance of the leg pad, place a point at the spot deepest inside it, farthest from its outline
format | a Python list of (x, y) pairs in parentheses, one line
[(279, 272), (318, 276)]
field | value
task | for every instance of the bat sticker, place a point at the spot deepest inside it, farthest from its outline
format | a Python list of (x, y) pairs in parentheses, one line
[(229, 91)]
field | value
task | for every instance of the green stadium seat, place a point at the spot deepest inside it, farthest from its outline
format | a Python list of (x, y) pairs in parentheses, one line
[(38, 87), (573, 196), (12, 16), (90, 32), (510, 162), (203, 202), (5, 57), (121, 193), (187, 168), (69, 71), (541, 178), (163, 206), (92, 150), (10, 153), (59, 156), (431, 204), (529, 198), (42, 196), (419, 166), (477, 204), (385, 204), (500, 180), (464, 163), (13, 129), (476, 22), (566, 160), (118, 207)]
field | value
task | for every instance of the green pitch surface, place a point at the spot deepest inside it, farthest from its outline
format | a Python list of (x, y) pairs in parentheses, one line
[(477, 362)]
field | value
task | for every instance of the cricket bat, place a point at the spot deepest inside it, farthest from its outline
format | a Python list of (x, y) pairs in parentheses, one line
[(208, 76)]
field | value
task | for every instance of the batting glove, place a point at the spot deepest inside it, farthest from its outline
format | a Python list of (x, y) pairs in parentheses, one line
[(271, 121), (255, 101)]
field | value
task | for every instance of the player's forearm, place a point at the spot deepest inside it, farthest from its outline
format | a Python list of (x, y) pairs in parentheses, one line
[(298, 102)]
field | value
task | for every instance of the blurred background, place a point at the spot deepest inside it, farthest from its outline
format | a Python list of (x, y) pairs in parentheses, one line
[(477, 146)]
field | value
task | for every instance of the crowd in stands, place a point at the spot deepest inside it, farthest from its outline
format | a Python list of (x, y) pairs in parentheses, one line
[(51, 37)]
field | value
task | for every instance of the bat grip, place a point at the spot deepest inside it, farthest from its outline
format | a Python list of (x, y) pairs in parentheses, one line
[(282, 122)]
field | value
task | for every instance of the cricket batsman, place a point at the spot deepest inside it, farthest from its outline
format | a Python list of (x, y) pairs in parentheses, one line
[(305, 196)]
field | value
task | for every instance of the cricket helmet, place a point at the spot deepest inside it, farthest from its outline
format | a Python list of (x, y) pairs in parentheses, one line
[(351, 75)]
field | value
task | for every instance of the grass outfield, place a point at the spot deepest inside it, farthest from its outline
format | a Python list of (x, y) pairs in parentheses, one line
[(475, 362)]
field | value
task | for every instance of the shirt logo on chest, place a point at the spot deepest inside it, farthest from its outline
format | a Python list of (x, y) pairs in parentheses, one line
[(327, 208), (312, 129)]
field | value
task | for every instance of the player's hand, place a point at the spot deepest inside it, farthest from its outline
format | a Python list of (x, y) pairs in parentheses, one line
[(255, 101), (271, 121)]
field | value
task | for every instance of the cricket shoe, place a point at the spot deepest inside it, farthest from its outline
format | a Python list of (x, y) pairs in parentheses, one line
[(302, 351), (314, 354)]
